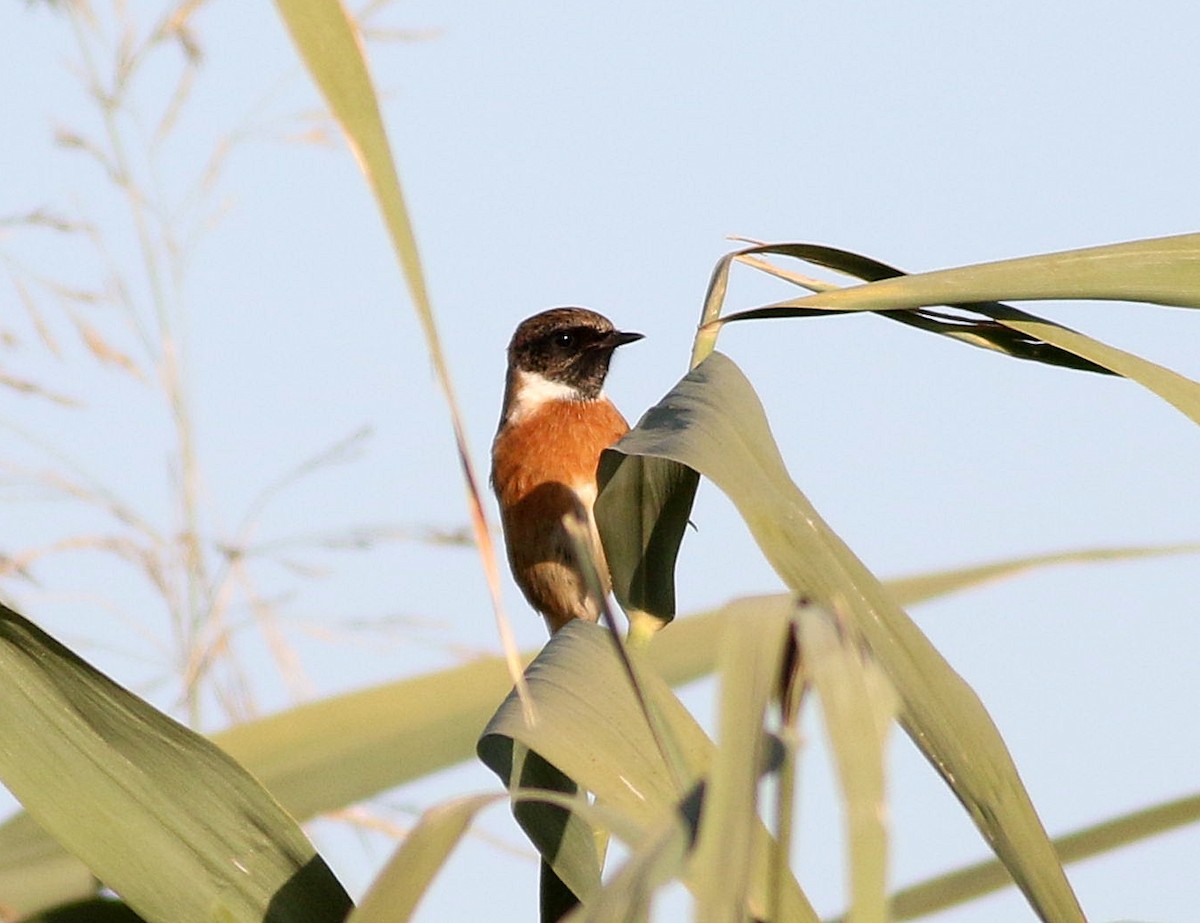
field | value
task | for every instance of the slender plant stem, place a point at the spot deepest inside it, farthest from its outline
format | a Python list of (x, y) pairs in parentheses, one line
[(785, 809), (189, 613)]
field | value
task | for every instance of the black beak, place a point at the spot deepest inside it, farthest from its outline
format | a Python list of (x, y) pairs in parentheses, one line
[(620, 338)]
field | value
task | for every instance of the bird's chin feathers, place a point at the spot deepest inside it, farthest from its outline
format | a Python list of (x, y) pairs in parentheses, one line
[(532, 391)]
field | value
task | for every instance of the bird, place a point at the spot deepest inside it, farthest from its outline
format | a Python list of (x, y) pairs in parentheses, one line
[(554, 423)]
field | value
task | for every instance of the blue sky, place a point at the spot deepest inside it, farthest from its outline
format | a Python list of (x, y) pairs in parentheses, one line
[(554, 154)]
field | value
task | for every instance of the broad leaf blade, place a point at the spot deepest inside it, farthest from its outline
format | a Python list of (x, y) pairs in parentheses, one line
[(325, 755), (313, 758), (161, 815), (714, 423), (93, 910)]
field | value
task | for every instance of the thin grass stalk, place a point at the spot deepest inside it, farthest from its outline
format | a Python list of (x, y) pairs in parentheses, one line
[(195, 601), (785, 813)]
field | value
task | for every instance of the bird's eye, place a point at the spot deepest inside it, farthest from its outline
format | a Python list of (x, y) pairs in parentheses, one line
[(564, 340)]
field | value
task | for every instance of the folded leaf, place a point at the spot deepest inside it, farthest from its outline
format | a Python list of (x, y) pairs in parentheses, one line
[(592, 727), (641, 540)]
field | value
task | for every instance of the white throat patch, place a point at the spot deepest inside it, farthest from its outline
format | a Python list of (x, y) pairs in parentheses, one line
[(532, 392)]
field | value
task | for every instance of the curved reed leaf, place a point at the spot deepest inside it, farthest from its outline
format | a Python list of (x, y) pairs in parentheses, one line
[(920, 587), (162, 816), (974, 331), (1163, 271), (314, 758), (713, 422)]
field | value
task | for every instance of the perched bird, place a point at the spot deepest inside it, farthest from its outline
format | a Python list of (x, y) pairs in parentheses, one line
[(555, 422)]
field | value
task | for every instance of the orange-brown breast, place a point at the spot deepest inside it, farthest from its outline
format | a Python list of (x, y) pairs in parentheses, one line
[(543, 468)]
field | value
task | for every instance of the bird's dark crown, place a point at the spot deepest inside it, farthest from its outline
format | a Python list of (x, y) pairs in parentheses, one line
[(569, 346)]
